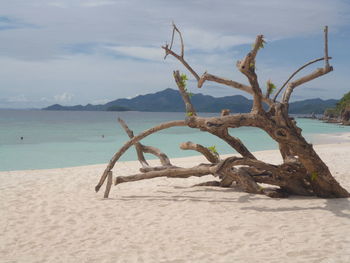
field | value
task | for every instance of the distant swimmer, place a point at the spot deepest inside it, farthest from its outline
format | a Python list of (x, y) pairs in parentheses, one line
[(21, 138), (103, 135)]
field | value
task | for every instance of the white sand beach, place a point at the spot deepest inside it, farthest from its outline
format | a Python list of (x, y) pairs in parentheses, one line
[(55, 216)]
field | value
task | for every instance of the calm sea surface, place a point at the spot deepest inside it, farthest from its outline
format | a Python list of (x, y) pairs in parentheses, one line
[(55, 139)]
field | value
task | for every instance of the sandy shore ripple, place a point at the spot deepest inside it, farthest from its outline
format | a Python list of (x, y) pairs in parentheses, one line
[(55, 216)]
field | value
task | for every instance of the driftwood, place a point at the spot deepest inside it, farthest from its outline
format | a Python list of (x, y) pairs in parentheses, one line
[(302, 171)]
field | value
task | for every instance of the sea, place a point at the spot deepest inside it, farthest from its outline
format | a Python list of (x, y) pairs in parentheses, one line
[(56, 139)]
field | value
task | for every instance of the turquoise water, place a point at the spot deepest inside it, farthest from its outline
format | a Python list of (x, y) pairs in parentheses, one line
[(55, 139)]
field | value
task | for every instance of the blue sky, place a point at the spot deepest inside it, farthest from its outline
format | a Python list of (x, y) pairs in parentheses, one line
[(93, 51)]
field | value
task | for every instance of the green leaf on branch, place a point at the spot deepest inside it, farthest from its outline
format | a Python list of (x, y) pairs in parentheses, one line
[(189, 114), (262, 45), (270, 87), (183, 77), (213, 149), (314, 176), (183, 80)]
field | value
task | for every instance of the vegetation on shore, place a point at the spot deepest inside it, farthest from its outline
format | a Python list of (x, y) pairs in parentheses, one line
[(341, 111)]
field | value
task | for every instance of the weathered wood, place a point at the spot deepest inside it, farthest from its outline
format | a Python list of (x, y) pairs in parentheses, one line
[(109, 184), (184, 94), (211, 157), (317, 73), (294, 73), (302, 171), (163, 158), (156, 168), (131, 142), (168, 50), (200, 170), (140, 149), (137, 145), (247, 67)]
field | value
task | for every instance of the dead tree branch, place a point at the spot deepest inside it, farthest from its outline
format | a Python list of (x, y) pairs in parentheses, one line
[(181, 84), (317, 73), (140, 149), (163, 158), (109, 184), (234, 142), (247, 67), (131, 142), (209, 155), (294, 73), (168, 50), (138, 146), (199, 170)]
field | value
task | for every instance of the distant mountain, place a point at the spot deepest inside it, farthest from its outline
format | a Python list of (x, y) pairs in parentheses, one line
[(88, 107), (317, 106), (170, 100)]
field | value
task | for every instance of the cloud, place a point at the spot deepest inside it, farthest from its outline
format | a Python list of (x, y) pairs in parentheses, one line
[(44, 99), (57, 4), (148, 23), (19, 98), (96, 48), (100, 101), (63, 98), (147, 53), (97, 3), (202, 40)]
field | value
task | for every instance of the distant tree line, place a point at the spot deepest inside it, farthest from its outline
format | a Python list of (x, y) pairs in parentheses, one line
[(341, 112)]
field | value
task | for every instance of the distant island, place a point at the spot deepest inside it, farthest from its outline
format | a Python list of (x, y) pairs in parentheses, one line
[(169, 100), (341, 112)]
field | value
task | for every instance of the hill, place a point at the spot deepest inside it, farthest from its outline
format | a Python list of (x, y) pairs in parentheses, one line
[(170, 100), (341, 111)]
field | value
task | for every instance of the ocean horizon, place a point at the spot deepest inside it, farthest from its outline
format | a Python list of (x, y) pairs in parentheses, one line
[(57, 139)]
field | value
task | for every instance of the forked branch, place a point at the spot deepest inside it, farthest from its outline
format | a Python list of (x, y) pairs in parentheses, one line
[(205, 76), (210, 155), (181, 84), (181, 58), (131, 142), (247, 67), (317, 73), (138, 146), (296, 72), (140, 149)]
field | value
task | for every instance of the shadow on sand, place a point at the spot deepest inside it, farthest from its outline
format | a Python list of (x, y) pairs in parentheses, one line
[(340, 207)]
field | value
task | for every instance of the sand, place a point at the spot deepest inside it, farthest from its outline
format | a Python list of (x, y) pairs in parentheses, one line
[(55, 216)]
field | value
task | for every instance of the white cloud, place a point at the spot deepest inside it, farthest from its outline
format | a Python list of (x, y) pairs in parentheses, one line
[(57, 4), (149, 53), (19, 98), (44, 99), (101, 101), (200, 39), (97, 3), (63, 98)]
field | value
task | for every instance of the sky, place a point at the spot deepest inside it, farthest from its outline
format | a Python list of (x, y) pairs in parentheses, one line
[(94, 51)]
